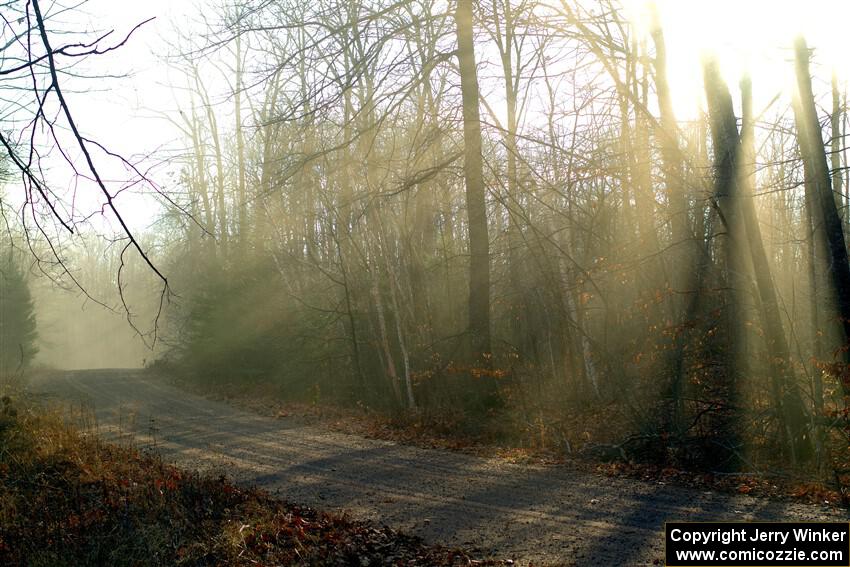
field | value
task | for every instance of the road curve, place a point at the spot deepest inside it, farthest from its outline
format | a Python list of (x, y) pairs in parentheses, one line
[(539, 514)]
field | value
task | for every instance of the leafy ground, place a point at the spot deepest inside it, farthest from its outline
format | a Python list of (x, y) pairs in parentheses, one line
[(70, 499)]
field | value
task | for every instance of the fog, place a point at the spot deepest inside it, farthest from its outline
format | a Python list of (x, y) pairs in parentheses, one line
[(76, 333), (564, 225)]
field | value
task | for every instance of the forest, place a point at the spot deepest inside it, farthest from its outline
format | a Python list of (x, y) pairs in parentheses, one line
[(368, 227), (496, 220)]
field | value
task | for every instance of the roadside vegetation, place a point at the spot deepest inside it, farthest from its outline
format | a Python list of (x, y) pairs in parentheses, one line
[(70, 499), (531, 444)]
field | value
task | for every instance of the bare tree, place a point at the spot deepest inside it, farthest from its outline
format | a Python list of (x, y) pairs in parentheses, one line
[(42, 119)]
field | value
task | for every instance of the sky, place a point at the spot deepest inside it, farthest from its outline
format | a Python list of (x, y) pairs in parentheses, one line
[(126, 112)]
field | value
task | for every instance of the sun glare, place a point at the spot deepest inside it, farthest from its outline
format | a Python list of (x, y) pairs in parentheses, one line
[(747, 37)]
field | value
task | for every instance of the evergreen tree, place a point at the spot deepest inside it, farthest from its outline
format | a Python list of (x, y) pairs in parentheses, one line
[(17, 319)]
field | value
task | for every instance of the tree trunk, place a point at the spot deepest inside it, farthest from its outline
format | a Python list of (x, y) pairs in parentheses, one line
[(726, 142), (507, 46), (826, 213), (792, 413), (200, 167), (685, 257), (642, 173), (479, 244), (242, 229), (835, 151), (670, 153)]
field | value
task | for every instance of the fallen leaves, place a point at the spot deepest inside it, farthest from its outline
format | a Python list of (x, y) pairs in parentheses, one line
[(66, 499)]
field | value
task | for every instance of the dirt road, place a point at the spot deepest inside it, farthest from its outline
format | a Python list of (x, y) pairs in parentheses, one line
[(528, 513)]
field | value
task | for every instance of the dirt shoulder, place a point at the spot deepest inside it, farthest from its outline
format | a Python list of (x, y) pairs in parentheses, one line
[(531, 512), (443, 435)]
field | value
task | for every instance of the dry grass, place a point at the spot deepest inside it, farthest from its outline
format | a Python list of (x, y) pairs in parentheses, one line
[(69, 499)]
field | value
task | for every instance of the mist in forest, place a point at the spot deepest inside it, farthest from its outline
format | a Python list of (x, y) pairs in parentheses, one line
[(550, 223), (74, 333)]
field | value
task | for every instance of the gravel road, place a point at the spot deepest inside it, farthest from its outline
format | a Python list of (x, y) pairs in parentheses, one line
[(533, 514)]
